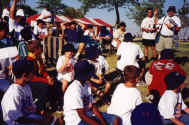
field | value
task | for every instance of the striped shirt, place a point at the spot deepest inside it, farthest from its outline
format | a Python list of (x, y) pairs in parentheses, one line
[(22, 49)]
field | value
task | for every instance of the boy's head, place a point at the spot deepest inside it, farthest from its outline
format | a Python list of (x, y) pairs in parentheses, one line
[(122, 26), (128, 37), (84, 70), (174, 80), (171, 11), (35, 47), (23, 69), (40, 23), (3, 30), (92, 53), (131, 74), (68, 50), (150, 12), (167, 54)]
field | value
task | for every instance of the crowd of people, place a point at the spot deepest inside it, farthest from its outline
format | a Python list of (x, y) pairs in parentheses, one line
[(82, 80)]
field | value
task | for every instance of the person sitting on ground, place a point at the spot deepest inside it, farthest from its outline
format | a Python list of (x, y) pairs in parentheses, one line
[(73, 36), (65, 66), (126, 96), (42, 82), (105, 37), (160, 68), (127, 54), (101, 67), (17, 103), (171, 103), (40, 31), (78, 102)]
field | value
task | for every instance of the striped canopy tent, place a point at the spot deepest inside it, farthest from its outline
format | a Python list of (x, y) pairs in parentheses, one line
[(94, 21), (59, 18)]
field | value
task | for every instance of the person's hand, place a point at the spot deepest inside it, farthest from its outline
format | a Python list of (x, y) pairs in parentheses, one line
[(156, 12), (169, 26)]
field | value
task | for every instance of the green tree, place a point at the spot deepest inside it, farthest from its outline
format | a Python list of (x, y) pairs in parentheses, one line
[(73, 13), (110, 4), (137, 12)]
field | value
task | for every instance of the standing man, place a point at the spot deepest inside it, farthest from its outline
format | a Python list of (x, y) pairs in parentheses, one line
[(148, 28), (171, 25)]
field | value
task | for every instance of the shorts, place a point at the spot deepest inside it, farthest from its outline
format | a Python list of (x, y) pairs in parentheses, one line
[(75, 44), (164, 43), (147, 42), (109, 118)]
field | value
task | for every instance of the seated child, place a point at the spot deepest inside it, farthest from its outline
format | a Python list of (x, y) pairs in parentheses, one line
[(17, 103), (65, 66), (101, 66), (78, 102), (171, 103), (126, 96)]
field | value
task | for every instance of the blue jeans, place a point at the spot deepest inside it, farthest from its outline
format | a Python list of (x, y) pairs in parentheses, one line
[(184, 118), (4, 85), (109, 118)]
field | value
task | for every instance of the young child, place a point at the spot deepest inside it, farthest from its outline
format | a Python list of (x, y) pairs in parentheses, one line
[(171, 103), (17, 103), (126, 97), (101, 66), (39, 30), (65, 66), (78, 102)]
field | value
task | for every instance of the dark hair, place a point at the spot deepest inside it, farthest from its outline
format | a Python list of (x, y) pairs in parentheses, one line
[(4, 26), (26, 34), (122, 24), (90, 26), (131, 73), (32, 46), (150, 8), (40, 21), (22, 66)]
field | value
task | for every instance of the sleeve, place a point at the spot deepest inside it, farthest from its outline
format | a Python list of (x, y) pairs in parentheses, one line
[(178, 21), (140, 53), (160, 21), (86, 33), (75, 98), (119, 50), (59, 63), (151, 70), (11, 24), (15, 107), (35, 30), (45, 31), (139, 99), (143, 24)]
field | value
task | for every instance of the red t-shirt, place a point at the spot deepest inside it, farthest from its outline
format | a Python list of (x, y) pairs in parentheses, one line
[(159, 69)]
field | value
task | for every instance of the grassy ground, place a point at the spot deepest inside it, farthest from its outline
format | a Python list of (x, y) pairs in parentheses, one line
[(182, 50)]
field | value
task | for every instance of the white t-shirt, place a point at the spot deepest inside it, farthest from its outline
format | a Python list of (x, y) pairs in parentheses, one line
[(37, 30), (118, 34), (128, 52), (16, 27), (14, 103), (167, 104), (5, 13), (69, 76), (148, 23), (165, 31), (77, 96), (45, 13), (88, 33), (124, 101)]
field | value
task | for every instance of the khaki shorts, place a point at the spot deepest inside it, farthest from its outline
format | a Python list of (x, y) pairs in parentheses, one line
[(164, 43)]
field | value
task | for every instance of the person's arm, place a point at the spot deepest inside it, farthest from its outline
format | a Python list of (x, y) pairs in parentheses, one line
[(176, 121), (62, 65), (26, 120), (186, 110), (98, 115), (85, 118), (12, 9)]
